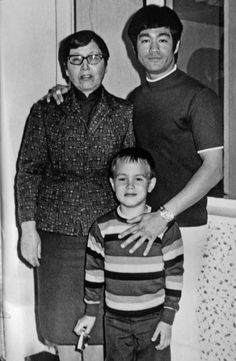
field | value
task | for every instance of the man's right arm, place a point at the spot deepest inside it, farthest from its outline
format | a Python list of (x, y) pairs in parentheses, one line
[(56, 93)]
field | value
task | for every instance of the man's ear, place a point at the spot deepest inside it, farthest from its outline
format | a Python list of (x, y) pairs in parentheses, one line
[(177, 47), (152, 184), (135, 50), (111, 180)]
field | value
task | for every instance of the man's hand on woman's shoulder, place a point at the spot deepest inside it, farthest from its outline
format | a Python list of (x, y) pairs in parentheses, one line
[(56, 92)]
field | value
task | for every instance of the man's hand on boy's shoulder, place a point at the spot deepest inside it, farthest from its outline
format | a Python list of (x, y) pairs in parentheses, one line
[(163, 332), (147, 226)]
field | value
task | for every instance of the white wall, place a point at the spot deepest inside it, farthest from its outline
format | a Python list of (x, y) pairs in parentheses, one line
[(108, 19), (30, 30)]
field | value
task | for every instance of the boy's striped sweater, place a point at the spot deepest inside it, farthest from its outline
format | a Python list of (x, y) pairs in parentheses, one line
[(134, 285)]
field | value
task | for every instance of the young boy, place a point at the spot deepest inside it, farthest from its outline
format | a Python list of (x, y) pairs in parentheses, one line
[(141, 293)]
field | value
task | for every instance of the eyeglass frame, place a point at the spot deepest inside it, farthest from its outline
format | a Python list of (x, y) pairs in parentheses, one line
[(100, 56)]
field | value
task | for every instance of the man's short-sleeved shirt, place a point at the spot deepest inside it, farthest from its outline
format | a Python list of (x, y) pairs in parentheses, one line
[(175, 119)]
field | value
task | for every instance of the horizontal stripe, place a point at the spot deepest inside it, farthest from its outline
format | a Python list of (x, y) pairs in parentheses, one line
[(172, 262), (174, 293), (174, 253), (94, 254), (133, 264), (89, 302), (138, 299), (134, 287), (173, 250), (113, 237), (94, 275), (95, 246), (93, 285), (134, 302), (134, 276), (135, 313), (174, 282), (112, 227)]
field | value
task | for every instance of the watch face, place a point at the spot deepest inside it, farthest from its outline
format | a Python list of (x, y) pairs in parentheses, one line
[(166, 215)]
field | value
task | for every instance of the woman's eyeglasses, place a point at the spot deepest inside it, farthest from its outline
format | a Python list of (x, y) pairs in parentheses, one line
[(91, 59)]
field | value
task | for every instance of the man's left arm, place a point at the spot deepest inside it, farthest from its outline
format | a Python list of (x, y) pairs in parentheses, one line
[(204, 179)]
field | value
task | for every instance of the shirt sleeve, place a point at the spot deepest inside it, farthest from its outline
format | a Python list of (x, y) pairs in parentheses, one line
[(206, 115), (172, 249), (32, 160), (94, 270)]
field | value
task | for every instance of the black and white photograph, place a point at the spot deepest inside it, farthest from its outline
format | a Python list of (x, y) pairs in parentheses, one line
[(117, 180)]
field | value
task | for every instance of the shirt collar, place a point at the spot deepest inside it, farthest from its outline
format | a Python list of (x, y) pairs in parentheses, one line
[(162, 77), (121, 215), (93, 96)]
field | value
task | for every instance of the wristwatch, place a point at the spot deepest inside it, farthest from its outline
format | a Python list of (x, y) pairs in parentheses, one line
[(167, 215)]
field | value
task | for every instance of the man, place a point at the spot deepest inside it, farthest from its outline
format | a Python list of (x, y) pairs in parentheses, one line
[(179, 121)]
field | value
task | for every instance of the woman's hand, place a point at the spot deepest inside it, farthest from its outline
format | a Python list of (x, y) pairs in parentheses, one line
[(30, 243), (57, 92), (85, 324), (148, 226), (164, 331)]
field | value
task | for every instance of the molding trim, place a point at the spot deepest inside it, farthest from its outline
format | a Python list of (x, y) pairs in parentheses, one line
[(65, 25)]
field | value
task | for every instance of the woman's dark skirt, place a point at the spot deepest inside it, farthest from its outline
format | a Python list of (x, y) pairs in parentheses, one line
[(60, 289)]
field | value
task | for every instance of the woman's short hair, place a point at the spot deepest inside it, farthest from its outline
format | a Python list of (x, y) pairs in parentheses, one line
[(154, 16), (73, 41)]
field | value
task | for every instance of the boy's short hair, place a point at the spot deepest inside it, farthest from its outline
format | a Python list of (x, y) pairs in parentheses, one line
[(154, 16), (133, 155)]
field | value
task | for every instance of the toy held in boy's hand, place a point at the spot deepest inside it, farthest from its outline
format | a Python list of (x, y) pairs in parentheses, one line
[(83, 341)]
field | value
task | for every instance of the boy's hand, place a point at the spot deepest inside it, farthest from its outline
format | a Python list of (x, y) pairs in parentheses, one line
[(165, 331), (85, 324), (56, 93), (148, 226)]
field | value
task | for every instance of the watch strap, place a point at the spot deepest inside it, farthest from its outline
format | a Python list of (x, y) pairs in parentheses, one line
[(167, 215)]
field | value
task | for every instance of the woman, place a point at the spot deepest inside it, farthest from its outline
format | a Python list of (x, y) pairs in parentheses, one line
[(62, 185)]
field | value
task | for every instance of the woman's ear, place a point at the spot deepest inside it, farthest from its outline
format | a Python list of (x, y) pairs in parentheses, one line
[(106, 68), (152, 184)]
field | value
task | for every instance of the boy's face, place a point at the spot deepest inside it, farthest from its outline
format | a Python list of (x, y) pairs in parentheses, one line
[(131, 182), (155, 51)]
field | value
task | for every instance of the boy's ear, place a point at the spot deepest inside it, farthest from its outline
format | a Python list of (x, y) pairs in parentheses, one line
[(152, 184), (111, 180)]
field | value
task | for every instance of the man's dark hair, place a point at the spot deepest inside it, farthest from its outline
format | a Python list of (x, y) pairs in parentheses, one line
[(73, 41), (154, 16), (133, 155)]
